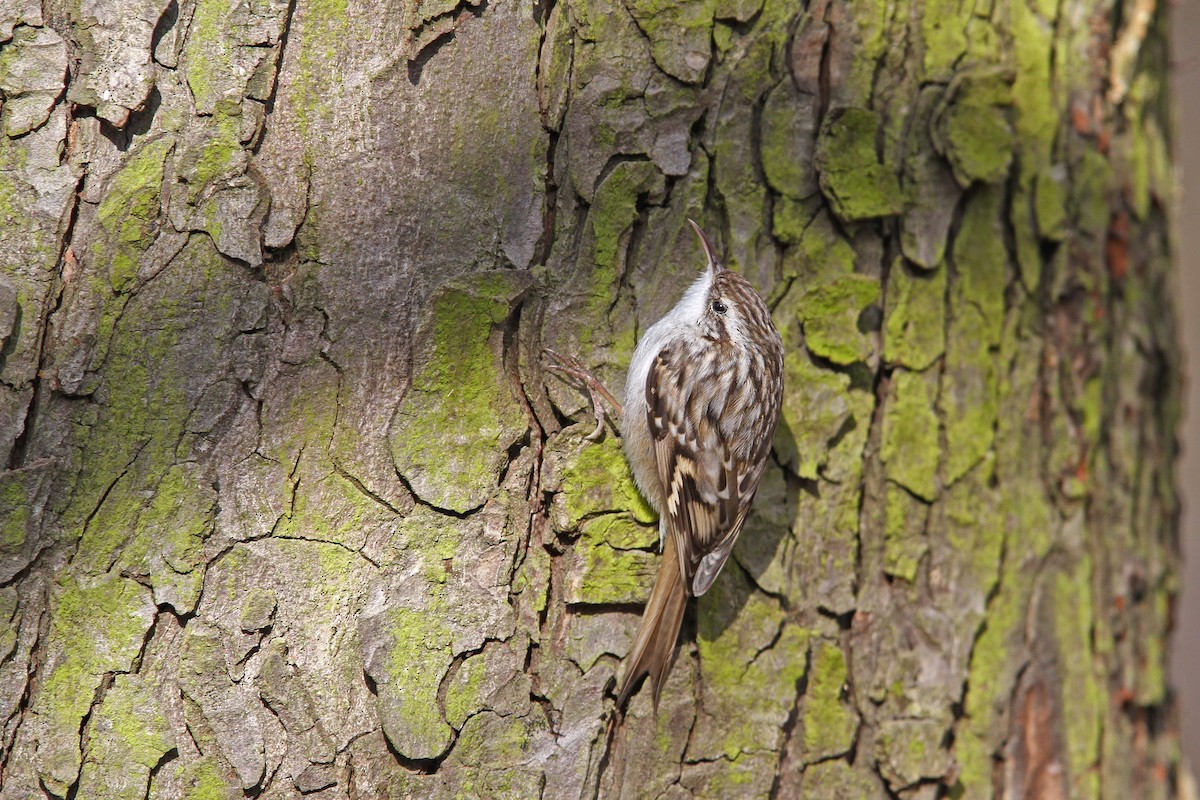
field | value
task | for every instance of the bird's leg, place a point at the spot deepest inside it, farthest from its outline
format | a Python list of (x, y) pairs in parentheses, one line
[(572, 367)]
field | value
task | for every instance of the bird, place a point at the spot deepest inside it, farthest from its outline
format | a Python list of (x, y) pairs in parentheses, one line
[(702, 400)]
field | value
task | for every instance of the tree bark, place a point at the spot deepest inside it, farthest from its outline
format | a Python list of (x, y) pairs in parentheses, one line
[(293, 507)]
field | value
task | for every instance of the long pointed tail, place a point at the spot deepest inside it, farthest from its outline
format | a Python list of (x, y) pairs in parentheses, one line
[(655, 642)]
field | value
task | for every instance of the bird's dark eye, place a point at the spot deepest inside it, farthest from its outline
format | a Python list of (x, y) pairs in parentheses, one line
[(719, 307)]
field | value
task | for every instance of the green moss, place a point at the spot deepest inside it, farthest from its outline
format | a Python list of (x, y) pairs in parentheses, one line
[(613, 211), (875, 32), (597, 479), (615, 208), (968, 396), (967, 400), (740, 10), (914, 322), (603, 575), (129, 211), (843, 460), (981, 263), (327, 508), (852, 177), (322, 26), (14, 511), (1037, 111), (751, 659), (1084, 701), (1091, 193), (219, 155), (1028, 250), (95, 629), (166, 537), (816, 406), (989, 684), (127, 737), (1050, 204), (220, 62), (975, 530), (1160, 167), (129, 449), (258, 608), (983, 41), (497, 742), (786, 142), (679, 35), (621, 531), (832, 313), (747, 775), (912, 750), (822, 254), (971, 127), (944, 34), (463, 694), (1150, 688), (722, 36), (826, 530), (790, 218), (450, 436), (904, 534), (911, 448), (206, 56), (202, 779), (419, 652), (829, 719), (999, 647), (837, 779)]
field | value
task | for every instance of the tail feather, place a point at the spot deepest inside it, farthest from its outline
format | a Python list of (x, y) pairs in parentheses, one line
[(655, 642)]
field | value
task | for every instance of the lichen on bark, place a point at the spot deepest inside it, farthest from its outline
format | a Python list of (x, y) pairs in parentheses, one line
[(291, 504)]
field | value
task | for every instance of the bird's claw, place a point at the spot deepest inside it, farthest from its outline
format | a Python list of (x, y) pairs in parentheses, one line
[(573, 367)]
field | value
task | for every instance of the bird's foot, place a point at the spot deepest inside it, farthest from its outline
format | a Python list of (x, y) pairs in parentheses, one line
[(574, 368)]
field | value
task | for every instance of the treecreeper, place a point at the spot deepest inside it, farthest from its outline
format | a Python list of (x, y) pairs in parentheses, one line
[(702, 399)]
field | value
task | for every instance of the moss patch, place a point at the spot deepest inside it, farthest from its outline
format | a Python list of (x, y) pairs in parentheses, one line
[(203, 779), (450, 435), (597, 480), (833, 313), (129, 211), (94, 629), (828, 717), (943, 31), (214, 155), (597, 573), (786, 146), (751, 660), (1084, 700), (904, 534), (911, 448), (128, 735), (971, 126), (408, 700), (852, 177), (914, 321), (680, 35), (14, 510), (816, 406)]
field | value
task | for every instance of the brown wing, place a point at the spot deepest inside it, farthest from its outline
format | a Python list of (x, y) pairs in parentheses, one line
[(707, 488)]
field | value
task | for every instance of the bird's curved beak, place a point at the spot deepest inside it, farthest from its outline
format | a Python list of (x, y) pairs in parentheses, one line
[(714, 263)]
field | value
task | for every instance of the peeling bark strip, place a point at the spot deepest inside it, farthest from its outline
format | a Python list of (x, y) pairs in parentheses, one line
[(290, 507)]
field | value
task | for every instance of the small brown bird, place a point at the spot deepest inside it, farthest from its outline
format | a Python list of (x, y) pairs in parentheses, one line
[(702, 400)]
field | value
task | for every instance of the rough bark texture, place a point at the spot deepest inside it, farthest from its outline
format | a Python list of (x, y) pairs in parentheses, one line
[(292, 507)]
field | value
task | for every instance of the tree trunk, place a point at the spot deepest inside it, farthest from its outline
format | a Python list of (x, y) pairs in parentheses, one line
[(293, 506)]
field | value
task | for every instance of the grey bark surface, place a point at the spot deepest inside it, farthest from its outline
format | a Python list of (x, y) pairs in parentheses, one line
[(292, 507)]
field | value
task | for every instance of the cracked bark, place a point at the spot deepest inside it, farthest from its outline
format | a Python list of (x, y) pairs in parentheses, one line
[(292, 506)]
